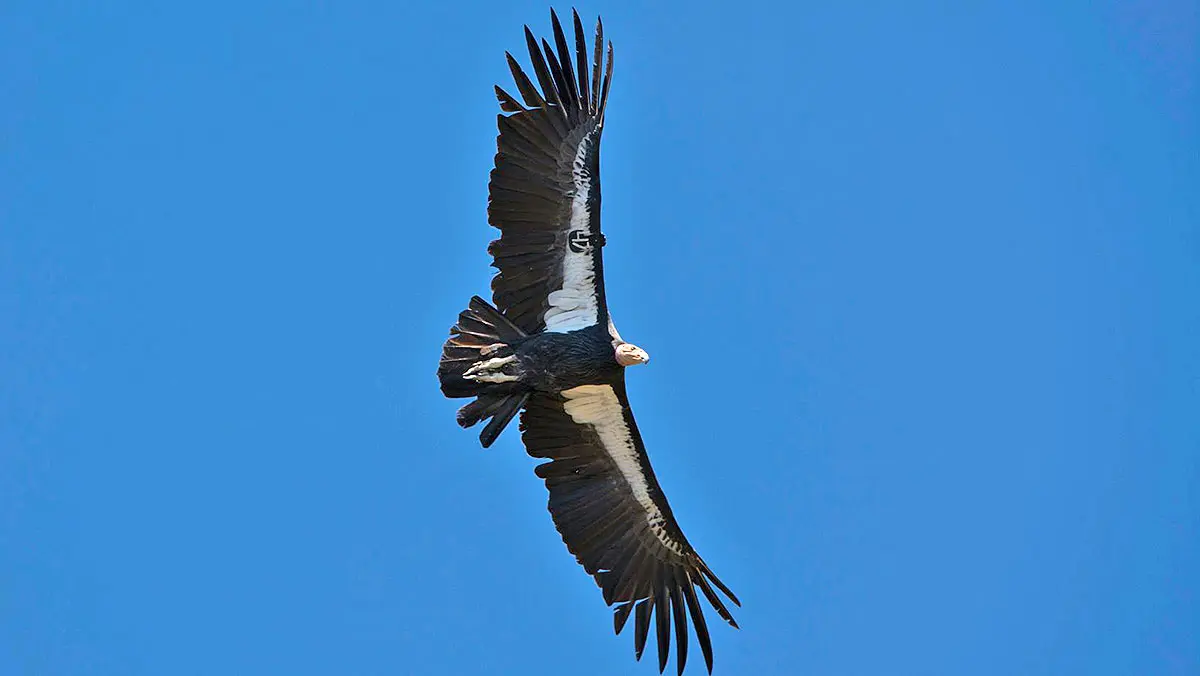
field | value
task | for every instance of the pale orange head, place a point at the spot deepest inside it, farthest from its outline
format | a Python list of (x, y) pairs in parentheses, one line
[(629, 354)]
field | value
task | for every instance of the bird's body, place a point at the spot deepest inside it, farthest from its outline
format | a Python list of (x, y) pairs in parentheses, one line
[(553, 362), (547, 362), (549, 349)]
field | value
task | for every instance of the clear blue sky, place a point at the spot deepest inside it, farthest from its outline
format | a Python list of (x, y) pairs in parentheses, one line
[(921, 283)]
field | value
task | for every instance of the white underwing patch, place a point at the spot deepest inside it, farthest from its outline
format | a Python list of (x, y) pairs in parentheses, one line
[(575, 305), (598, 406)]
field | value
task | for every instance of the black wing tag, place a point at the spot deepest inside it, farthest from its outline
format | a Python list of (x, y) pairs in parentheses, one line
[(579, 241)]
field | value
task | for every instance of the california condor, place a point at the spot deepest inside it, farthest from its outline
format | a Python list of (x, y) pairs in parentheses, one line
[(548, 348)]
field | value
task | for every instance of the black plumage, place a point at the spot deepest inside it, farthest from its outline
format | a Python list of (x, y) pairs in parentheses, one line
[(549, 350)]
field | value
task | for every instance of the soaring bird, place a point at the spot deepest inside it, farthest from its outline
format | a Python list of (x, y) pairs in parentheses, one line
[(548, 348)]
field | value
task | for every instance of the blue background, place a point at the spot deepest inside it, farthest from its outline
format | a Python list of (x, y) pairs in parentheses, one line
[(921, 283)]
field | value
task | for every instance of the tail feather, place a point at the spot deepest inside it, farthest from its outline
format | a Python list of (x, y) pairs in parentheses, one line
[(481, 314), (483, 407), (481, 333), (503, 415)]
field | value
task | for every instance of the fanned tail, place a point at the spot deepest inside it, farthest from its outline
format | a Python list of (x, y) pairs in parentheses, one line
[(478, 361)]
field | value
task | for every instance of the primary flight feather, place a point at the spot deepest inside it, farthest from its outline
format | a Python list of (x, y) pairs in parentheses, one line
[(548, 349)]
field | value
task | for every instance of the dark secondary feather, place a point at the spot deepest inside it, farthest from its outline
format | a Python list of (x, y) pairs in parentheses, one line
[(533, 184), (612, 534)]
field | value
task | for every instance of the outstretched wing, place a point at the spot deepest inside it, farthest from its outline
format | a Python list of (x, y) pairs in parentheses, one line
[(544, 193), (614, 518)]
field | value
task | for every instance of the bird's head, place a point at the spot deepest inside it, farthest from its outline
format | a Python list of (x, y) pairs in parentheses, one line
[(629, 354)]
